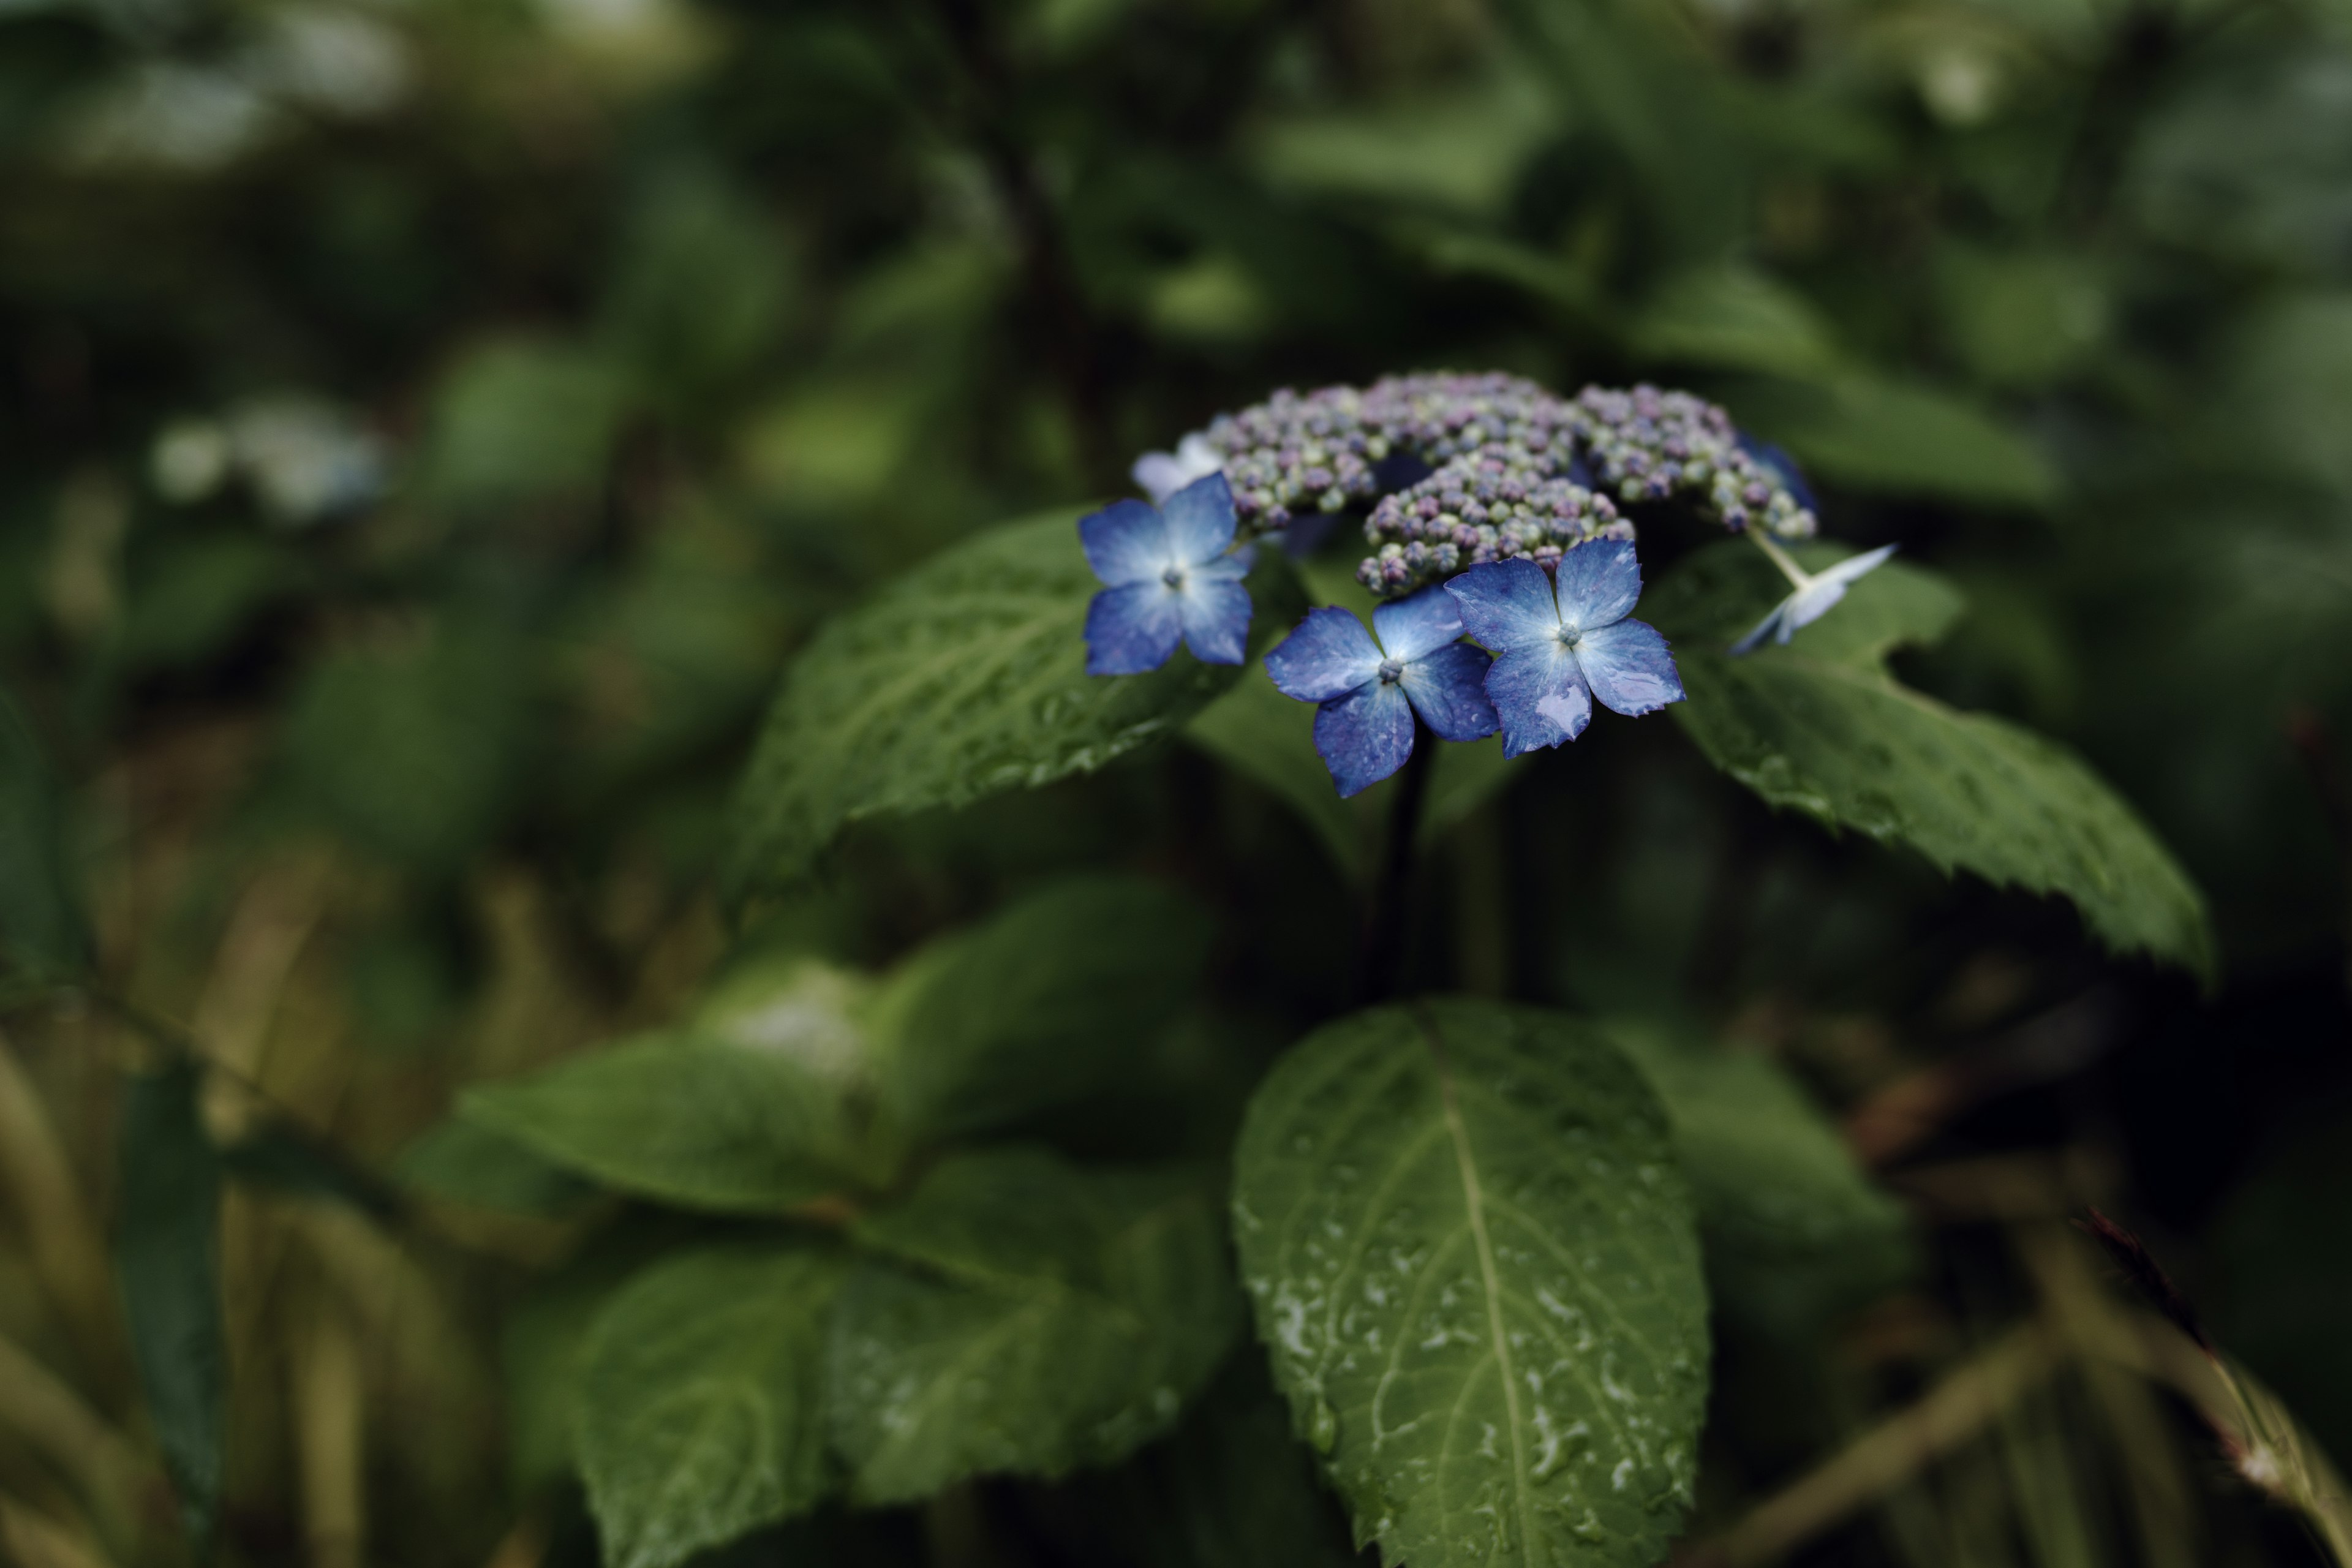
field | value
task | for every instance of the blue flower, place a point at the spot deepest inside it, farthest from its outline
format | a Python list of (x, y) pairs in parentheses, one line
[(1559, 645), (1168, 576), (1370, 690), (1815, 592), (1162, 474)]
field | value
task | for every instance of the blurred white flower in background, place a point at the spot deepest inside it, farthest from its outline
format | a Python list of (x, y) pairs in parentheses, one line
[(305, 458)]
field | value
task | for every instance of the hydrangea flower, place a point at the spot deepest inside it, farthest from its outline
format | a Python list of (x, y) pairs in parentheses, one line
[(1561, 639), (1372, 684), (1169, 575), (1162, 474), (1814, 593)]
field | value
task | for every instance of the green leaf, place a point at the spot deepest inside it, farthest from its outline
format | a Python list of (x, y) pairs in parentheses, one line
[(1476, 1265), (1231, 1488), (460, 1162), (166, 1249), (1035, 1318), (700, 1410), (286, 1157), (965, 679), (520, 421), (691, 1119), (1820, 726), (1050, 1000), (41, 927), (1787, 1210)]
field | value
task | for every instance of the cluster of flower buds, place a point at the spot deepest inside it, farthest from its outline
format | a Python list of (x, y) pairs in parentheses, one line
[(1471, 468)]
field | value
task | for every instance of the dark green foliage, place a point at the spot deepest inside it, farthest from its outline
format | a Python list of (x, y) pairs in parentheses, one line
[(41, 927), (1500, 1351), (166, 1252), (1820, 725), (963, 679)]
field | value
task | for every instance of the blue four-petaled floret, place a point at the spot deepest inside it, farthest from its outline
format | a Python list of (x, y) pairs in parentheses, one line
[(1370, 690), (1169, 575), (1560, 645)]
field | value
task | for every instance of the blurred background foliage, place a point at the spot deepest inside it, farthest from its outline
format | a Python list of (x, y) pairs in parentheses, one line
[(429, 426)]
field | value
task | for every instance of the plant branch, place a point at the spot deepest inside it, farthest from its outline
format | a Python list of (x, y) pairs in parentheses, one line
[(1389, 918)]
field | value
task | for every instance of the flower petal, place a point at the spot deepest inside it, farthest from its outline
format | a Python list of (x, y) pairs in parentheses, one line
[(1507, 603), (1364, 735), (1126, 541), (1132, 630), (1216, 615), (1628, 668), (1417, 622), (1201, 521), (1329, 653), (1162, 474), (1853, 566), (1447, 686), (1598, 582), (1539, 696), (1232, 566)]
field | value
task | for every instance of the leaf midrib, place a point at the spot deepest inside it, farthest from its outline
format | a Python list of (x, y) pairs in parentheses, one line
[(1474, 1212)]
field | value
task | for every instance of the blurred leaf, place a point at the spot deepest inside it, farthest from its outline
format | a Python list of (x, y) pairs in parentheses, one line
[(1232, 1487), (1055, 997), (1464, 1218), (2253, 162), (291, 1160), (701, 1408), (461, 1162), (1880, 436), (521, 421), (689, 1120), (2286, 375), (962, 679), (412, 750), (1820, 726), (194, 597), (2282, 1244), (2021, 317), (700, 292), (539, 1344), (41, 927), (1056, 1318), (1460, 151), (1735, 317), (1269, 739), (167, 1245), (1791, 1221)]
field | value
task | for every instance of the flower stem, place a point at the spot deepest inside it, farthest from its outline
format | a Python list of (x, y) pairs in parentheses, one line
[(1388, 921), (1799, 578)]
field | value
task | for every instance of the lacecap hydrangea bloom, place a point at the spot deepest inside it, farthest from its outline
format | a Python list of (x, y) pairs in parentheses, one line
[(1562, 640), (1169, 575), (1371, 685)]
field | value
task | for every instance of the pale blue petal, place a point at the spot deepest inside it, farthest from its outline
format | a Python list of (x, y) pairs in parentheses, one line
[(1507, 603), (1329, 653), (1808, 604), (1598, 582), (1853, 566), (1132, 630), (1539, 696), (1201, 521), (1232, 566), (1447, 686), (1417, 622), (1216, 617), (1126, 541), (1364, 735), (1629, 668), (1162, 474), (1159, 474)]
